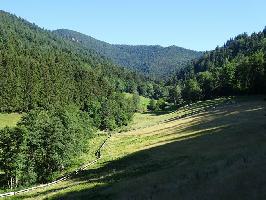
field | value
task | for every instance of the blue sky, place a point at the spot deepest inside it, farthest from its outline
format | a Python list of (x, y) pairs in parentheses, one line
[(193, 24)]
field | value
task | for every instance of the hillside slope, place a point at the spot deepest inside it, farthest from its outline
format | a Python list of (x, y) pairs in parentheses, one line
[(238, 67), (39, 68), (155, 61), (216, 152)]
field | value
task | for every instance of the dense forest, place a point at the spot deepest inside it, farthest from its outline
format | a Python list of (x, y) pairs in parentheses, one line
[(237, 68), (41, 75), (155, 61), (38, 69)]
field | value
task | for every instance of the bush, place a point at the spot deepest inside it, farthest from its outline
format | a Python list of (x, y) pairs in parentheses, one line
[(152, 105), (175, 95), (161, 104), (157, 105), (192, 90), (116, 111), (136, 102)]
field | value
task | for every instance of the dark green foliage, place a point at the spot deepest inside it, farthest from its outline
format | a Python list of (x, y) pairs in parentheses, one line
[(207, 83), (155, 61), (136, 102), (239, 67), (42, 74), (43, 144), (158, 105), (116, 111), (192, 90), (152, 105), (39, 69), (13, 152), (175, 95)]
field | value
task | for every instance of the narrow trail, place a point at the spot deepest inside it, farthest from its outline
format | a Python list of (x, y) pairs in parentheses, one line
[(66, 177)]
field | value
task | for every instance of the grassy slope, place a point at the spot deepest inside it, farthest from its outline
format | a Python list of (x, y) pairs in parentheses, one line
[(9, 119), (217, 154)]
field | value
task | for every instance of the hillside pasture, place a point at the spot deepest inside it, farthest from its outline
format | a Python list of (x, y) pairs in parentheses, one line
[(216, 151)]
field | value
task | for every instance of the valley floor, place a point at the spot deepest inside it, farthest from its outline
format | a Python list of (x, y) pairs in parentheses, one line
[(208, 150)]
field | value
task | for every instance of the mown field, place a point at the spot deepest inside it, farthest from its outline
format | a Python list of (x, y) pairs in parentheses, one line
[(9, 119), (216, 150)]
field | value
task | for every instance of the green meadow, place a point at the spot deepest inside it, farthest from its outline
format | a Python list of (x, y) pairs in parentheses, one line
[(207, 150), (9, 120)]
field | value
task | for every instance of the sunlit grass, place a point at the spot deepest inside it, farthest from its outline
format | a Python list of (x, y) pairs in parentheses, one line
[(9, 120), (142, 120), (161, 150)]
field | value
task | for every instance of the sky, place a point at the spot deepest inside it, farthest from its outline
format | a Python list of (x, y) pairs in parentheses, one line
[(193, 24)]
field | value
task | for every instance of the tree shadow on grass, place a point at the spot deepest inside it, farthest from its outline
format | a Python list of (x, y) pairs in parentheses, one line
[(219, 163), (24, 196), (158, 113)]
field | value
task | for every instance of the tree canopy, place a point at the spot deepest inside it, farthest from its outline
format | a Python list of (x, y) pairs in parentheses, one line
[(239, 67)]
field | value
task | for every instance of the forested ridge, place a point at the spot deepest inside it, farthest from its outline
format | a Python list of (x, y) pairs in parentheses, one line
[(64, 92), (237, 68), (154, 61), (38, 68)]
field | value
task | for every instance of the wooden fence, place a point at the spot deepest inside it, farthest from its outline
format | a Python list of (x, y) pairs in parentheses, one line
[(83, 167)]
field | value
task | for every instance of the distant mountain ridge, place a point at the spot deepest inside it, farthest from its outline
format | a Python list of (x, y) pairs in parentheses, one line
[(153, 60)]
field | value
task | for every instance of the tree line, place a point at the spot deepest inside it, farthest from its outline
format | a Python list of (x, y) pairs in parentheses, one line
[(237, 68)]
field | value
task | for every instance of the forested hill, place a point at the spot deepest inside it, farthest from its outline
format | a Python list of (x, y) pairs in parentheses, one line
[(38, 69), (239, 67), (155, 61), (65, 92)]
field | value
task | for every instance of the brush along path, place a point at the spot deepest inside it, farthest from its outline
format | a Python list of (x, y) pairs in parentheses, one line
[(67, 176)]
